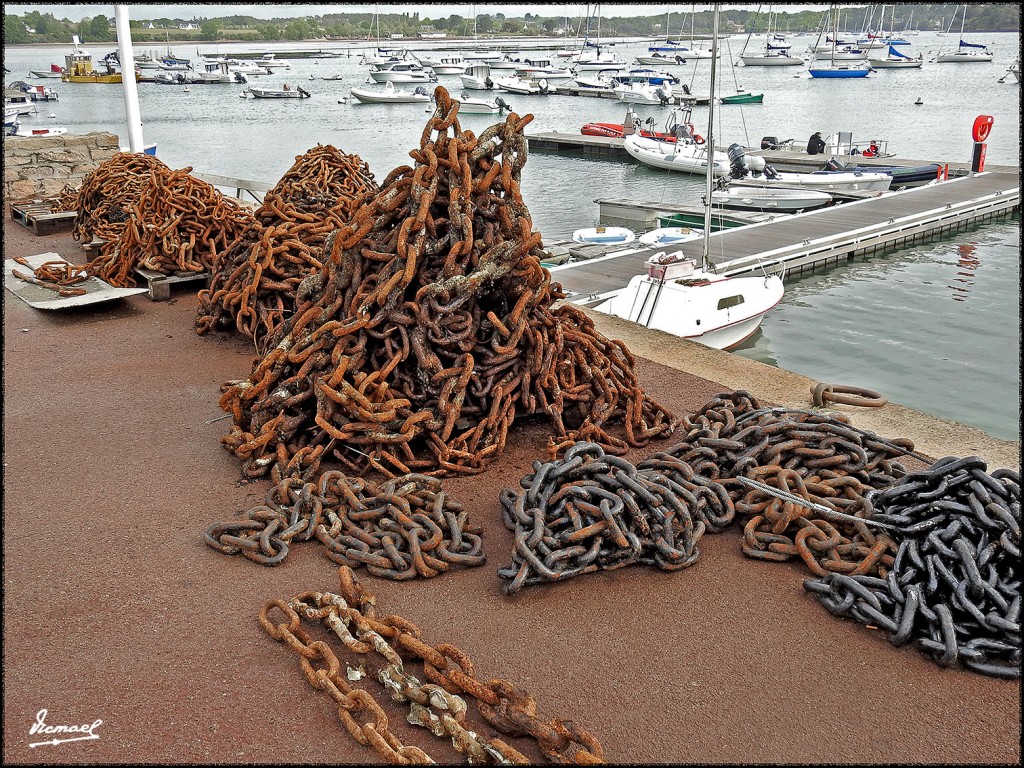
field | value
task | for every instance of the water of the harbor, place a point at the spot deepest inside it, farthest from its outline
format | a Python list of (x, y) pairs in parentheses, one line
[(935, 327)]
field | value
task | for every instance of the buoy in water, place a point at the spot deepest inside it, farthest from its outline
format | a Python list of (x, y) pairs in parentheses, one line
[(919, 101)]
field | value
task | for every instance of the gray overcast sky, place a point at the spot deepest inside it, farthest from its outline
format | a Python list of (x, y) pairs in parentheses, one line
[(79, 11)]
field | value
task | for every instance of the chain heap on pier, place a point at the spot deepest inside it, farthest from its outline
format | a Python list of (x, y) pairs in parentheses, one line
[(432, 327), (253, 285)]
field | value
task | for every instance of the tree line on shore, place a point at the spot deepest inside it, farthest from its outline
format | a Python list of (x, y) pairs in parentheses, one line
[(36, 27)]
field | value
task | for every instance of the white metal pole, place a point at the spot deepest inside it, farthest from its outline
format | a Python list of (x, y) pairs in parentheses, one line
[(131, 92)]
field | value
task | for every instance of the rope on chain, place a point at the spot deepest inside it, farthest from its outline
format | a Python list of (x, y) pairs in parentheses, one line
[(401, 529), (385, 646), (253, 286), (431, 327)]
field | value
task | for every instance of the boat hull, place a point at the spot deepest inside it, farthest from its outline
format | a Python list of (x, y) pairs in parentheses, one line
[(741, 198), (675, 157), (698, 310), (753, 98), (839, 73), (388, 96)]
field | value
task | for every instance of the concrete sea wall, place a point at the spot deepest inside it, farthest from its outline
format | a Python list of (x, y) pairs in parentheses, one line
[(42, 167)]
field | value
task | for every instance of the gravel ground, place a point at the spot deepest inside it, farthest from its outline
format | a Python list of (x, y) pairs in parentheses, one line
[(115, 609)]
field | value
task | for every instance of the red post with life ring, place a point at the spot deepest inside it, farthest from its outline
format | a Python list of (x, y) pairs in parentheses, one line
[(980, 132)]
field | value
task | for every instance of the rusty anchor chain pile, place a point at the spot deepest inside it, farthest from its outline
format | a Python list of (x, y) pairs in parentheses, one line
[(177, 225), (385, 646), (401, 529), (253, 285), (104, 200), (67, 200), (592, 511), (954, 588), (432, 327)]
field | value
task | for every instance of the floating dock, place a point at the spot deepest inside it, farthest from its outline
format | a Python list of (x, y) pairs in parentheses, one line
[(806, 241)]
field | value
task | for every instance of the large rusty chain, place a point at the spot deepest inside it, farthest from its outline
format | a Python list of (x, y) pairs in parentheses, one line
[(149, 216), (401, 529), (593, 511), (431, 328), (384, 646), (253, 286)]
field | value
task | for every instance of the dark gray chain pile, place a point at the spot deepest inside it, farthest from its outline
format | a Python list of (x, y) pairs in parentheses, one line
[(404, 528), (593, 511), (954, 587)]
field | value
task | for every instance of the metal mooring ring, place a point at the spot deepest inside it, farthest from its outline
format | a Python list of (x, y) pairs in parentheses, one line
[(822, 393)]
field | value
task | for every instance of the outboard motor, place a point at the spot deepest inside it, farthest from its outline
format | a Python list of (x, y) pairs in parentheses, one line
[(664, 93), (421, 91), (503, 106), (686, 89), (488, 83), (737, 168), (241, 78), (833, 164), (770, 142), (543, 84)]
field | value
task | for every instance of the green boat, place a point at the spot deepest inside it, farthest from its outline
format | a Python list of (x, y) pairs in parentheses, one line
[(743, 98)]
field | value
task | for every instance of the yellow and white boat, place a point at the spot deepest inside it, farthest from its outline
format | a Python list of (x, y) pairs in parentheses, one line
[(78, 68)]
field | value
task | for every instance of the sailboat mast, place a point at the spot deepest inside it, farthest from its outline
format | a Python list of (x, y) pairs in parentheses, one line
[(709, 148)]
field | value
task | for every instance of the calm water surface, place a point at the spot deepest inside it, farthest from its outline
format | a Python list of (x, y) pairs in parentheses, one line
[(935, 327)]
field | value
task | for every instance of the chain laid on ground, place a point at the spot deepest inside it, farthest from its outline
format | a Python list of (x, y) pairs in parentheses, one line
[(253, 285), (954, 587), (439, 706), (592, 511), (58, 276), (106, 195), (432, 327), (822, 394), (402, 529), (178, 225)]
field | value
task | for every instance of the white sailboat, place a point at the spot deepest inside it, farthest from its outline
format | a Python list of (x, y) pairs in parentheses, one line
[(965, 52), (694, 302), (776, 50)]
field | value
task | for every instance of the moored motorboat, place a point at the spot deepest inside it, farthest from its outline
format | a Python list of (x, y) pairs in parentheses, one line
[(769, 197), (754, 169), (902, 175), (391, 95), (469, 105), (523, 86), (681, 155), (402, 72), (604, 235), (284, 92), (670, 235), (642, 93)]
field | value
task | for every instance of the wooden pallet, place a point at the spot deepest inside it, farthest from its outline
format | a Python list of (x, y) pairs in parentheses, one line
[(92, 248), (35, 214), (159, 284)]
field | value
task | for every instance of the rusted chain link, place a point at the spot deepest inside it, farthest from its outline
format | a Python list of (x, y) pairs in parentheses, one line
[(107, 193), (817, 457), (58, 276), (384, 646), (432, 327), (954, 587), (254, 284), (178, 225), (67, 200), (592, 511), (822, 394), (399, 530)]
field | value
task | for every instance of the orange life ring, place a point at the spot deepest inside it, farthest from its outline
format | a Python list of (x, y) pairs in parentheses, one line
[(982, 127), (698, 139)]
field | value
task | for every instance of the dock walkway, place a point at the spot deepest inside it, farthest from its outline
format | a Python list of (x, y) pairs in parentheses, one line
[(816, 238)]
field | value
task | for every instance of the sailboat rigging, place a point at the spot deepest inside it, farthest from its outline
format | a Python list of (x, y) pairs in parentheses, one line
[(680, 297), (965, 52)]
